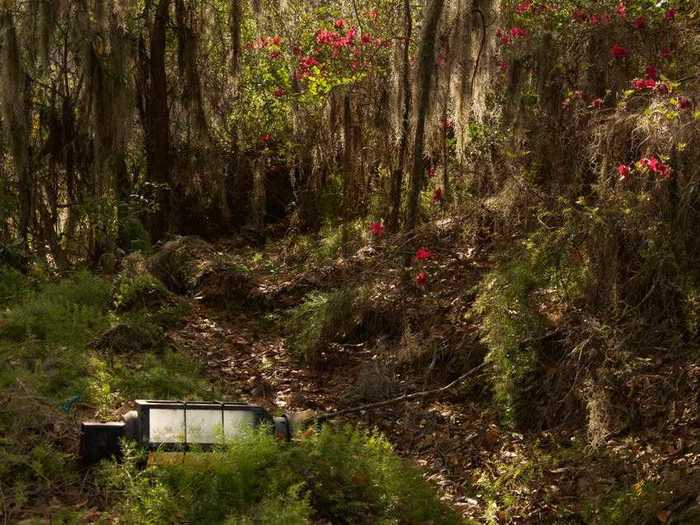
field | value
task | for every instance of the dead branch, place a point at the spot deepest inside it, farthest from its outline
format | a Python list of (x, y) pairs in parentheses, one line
[(405, 397)]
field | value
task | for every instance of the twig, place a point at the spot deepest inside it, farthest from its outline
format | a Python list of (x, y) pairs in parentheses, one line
[(400, 399)]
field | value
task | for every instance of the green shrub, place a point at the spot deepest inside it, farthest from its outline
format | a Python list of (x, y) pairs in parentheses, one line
[(509, 328), (139, 292), (168, 375), (12, 285), (343, 476), (322, 319), (66, 312)]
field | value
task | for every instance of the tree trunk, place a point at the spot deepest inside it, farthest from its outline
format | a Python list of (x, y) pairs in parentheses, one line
[(397, 178), (158, 119), (15, 102), (425, 69)]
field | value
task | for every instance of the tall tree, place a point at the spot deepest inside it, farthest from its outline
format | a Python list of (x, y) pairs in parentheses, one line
[(158, 122), (14, 86), (407, 97), (425, 71)]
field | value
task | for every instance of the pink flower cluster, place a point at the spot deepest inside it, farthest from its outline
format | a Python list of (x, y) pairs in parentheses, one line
[(650, 164)]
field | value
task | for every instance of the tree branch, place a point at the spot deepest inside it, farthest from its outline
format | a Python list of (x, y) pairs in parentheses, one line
[(405, 397)]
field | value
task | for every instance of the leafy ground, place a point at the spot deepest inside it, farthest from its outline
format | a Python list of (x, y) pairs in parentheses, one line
[(299, 326)]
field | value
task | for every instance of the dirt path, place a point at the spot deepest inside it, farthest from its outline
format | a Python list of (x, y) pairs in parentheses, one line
[(251, 364)]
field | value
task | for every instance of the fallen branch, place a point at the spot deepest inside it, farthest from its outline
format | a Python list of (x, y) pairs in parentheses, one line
[(405, 397)]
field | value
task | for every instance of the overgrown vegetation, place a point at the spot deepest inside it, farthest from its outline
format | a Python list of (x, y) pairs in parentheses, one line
[(344, 476)]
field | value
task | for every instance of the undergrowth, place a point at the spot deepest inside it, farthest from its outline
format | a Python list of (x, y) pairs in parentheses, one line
[(343, 476), (323, 319)]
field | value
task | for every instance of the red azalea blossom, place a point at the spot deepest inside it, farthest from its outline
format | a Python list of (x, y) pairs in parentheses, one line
[(523, 7), (597, 103), (438, 195), (276, 40), (275, 55), (595, 20), (279, 92), (619, 52), (518, 32), (666, 53), (377, 229), (423, 254), (621, 10), (504, 38), (671, 14), (422, 278), (654, 165), (431, 172), (446, 123), (683, 103), (651, 73), (624, 171), (640, 22), (503, 66), (265, 138), (640, 84), (366, 39), (340, 23)]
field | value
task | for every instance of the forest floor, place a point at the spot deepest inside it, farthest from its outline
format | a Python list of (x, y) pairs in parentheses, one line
[(295, 326), (646, 474)]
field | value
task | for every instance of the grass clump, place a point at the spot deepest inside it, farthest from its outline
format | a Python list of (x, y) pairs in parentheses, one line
[(323, 319), (345, 476)]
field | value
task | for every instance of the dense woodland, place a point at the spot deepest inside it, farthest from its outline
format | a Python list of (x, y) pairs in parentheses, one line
[(461, 236)]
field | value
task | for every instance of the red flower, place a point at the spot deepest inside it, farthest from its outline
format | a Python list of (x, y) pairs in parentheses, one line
[(671, 14), (431, 172), (619, 52), (621, 10), (523, 7), (276, 40), (640, 22), (503, 37), (651, 73), (642, 84), (683, 103), (423, 254), (366, 39), (654, 165), (595, 20), (340, 23), (503, 66), (422, 278), (377, 229), (518, 32), (624, 171), (666, 53), (265, 138), (446, 123), (438, 195), (597, 103), (279, 92)]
